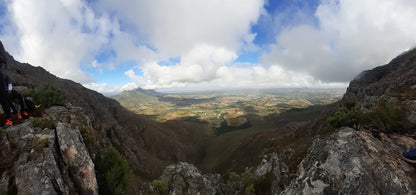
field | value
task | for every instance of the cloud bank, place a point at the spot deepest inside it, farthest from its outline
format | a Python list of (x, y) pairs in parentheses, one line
[(351, 36), (197, 44)]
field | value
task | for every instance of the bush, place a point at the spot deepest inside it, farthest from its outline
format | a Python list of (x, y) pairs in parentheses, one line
[(113, 172), (48, 96), (387, 117), (384, 117), (160, 187), (250, 190), (88, 135), (234, 181), (344, 117)]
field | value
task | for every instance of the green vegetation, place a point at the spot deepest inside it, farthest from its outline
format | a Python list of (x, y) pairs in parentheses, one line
[(113, 172), (44, 123), (386, 117), (344, 117), (250, 190), (160, 187), (134, 98), (237, 182), (89, 136), (47, 96), (234, 181)]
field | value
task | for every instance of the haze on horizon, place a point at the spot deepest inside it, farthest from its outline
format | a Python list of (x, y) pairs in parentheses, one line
[(111, 46)]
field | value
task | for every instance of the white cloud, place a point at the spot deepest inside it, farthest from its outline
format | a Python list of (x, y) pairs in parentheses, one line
[(176, 27), (206, 37), (199, 65), (57, 35), (109, 90), (352, 36), (138, 80), (64, 36)]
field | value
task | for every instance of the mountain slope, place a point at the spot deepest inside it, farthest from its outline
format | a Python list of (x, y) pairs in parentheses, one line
[(134, 97), (148, 146)]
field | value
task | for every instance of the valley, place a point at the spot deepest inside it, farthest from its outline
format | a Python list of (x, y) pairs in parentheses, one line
[(224, 109), (241, 125)]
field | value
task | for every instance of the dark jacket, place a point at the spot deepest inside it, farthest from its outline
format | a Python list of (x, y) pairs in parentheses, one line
[(7, 82), (3, 58)]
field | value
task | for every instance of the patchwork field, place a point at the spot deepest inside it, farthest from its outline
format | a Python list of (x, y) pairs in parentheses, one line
[(229, 108)]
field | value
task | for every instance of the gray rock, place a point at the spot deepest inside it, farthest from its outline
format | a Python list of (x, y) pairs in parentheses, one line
[(75, 155), (354, 162), (69, 114), (270, 164), (38, 173), (50, 161), (393, 79), (185, 178), (36, 170)]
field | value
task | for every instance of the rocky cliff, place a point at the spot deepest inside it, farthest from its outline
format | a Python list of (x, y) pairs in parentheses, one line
[(367, 161), (394, 82)]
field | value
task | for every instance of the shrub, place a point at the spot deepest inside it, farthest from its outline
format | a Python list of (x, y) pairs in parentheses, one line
[(387, 117), (384, 117), (234, 181), (88, 135), (250, 190), (48, 96), (246, 178), (160, 187), (113, 172), (344, 117)]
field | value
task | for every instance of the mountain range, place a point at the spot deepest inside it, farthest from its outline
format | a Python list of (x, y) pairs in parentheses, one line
[(296, 152)]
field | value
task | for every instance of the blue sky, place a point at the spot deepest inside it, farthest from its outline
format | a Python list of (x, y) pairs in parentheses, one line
[(111, 46)]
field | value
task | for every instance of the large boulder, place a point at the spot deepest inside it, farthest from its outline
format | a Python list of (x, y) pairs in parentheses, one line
[(356, 162), (185, 178)]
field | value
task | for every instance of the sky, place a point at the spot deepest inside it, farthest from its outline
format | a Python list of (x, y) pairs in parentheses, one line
[(185, 45)]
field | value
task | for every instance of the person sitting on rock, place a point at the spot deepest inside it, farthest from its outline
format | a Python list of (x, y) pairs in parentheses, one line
[(3, 90), (13, 95)]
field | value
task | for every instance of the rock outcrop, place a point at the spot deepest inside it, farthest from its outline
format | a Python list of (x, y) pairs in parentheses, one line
[(367, 162), (49, 161), (270, 164), (185, 178), (355, 162), (394, 82), (397, 79)]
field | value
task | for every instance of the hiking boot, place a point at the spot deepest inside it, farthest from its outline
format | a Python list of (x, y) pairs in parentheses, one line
[(8, 124), (410, 156)]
